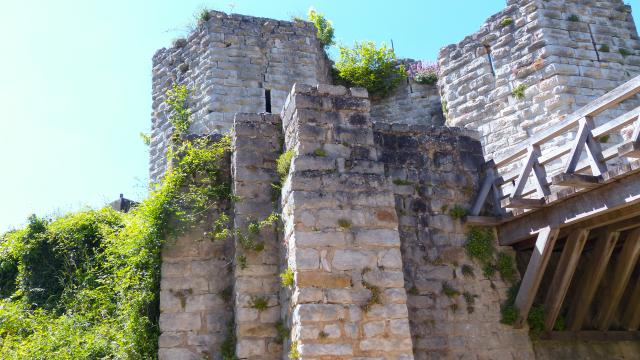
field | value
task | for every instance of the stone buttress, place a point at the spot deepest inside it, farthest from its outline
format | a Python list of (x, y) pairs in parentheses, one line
[(341, 231)]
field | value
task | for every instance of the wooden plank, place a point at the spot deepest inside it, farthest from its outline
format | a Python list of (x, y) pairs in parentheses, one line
[(540, 176), (625, 264), (482, 220), (577, 180), (487, 186), (577, 146), (607, 101), (605, 243), (522, 203), (562, 276), (591, 335), (631, 316), (535, 270), (612, 196)]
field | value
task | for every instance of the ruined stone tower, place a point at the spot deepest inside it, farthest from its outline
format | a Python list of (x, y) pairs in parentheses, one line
[(378, 260)]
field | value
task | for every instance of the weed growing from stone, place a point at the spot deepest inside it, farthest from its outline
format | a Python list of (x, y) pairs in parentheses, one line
[(375, 296), (286, 277), (573, 18), (604, 139), (228, 346), (323, 335), (283, 164), (506, 267), (344, 224), (479, 244), (319, 153), (401, 182), (242, 261), (624, 52), (449, 290), (458, 212), (413, 291), (518, 91), (467, 271), (508, 311), (506, 21), (294, 354), (282, 331), (604, 48), (226, 294), (259, 303), (204, 16)]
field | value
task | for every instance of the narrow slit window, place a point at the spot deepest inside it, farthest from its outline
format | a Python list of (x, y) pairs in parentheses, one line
[(493, 69), (267, 100)]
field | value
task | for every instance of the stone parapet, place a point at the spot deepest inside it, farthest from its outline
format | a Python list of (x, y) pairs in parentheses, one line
[(341, 231)]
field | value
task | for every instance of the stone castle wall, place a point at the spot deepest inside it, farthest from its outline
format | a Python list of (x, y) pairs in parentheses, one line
[(554, 49), (232, 63), (410, 103), (435, 169)]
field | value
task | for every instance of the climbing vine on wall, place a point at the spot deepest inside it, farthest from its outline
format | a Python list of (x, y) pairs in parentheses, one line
[(93, 276)]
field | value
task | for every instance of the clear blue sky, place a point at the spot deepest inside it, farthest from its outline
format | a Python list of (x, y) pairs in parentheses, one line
[(76, 81)]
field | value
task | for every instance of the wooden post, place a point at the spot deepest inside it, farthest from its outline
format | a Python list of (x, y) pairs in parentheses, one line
[(605, 244), (631, 317), (487, 186), (585, 141), (562, 276), (626, 263), (535, 270)]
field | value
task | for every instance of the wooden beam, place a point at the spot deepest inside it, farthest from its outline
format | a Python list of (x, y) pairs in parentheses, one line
[(629, 149), (562, 276), (532, 158), (625, 264), (590, 335), (615, 195), (605, 243), (577, 180), (487, 186), (535, 270), (522, 203), (585, 141), (631, 316), (482, 220)]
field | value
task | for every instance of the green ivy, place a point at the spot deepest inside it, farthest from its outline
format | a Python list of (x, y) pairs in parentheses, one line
[(370, 67), (93, 275)]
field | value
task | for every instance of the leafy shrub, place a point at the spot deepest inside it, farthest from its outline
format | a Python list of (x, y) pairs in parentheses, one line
[(93, 275), (536, 320), (283, 163), (180, 117), (367, 66), (324, 27), (508, 311), (294, 354), (604, 48), (518, 91), (506, 21), (573, 18), (423, 73)]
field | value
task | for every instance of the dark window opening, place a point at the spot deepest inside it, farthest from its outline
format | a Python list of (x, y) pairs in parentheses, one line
[(267, 100), (488, 49)]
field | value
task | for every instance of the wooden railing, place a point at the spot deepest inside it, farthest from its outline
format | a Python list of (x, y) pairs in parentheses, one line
[(584, 174)]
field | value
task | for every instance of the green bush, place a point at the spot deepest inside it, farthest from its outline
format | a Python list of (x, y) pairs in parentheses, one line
[(624, 52), (324, 27), (506, 267), (93, 275), (506, 21), (573, 18), (479, 245), (604, 48), (458, 212), (370, 67), (286, 277)]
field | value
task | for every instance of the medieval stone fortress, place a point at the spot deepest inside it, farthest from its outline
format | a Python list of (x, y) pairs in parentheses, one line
[(443, 221)]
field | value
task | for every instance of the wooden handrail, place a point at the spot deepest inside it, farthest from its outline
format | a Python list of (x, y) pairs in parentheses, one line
[(586, 139)]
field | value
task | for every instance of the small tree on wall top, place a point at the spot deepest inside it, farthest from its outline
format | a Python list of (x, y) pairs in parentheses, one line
[(370, 67)]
